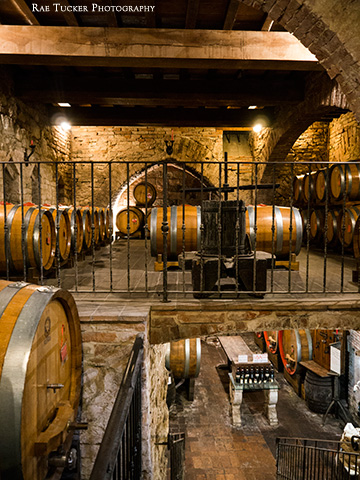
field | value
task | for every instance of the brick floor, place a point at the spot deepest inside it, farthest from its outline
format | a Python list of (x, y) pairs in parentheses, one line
[(214, 449)]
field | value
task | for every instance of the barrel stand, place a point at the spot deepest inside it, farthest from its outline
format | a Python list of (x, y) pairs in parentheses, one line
[(205, 272)]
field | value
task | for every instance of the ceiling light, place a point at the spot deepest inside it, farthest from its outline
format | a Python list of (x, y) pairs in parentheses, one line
[(64, 104), (252, 107), (65, 126), (257, 128)]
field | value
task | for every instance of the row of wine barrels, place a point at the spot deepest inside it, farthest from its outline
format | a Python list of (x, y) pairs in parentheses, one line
[(340, 180), (23, 232), (264, 235), (342, 227), (183, 358), (40, 376)]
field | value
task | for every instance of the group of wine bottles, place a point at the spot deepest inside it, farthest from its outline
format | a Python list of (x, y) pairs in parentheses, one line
[(254, 375)]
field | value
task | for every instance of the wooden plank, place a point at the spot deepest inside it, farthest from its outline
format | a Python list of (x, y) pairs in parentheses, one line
[(25, 11), (96, 46), (192, 13), (235, 346), (316, 368), (231, 14)]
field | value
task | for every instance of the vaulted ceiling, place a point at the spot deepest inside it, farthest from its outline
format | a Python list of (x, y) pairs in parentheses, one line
[(152, 62)]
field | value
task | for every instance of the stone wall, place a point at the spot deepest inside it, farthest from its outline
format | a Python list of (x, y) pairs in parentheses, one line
[(20, 124), (344, 139), (107, 343), (354, 371), (138, 145)]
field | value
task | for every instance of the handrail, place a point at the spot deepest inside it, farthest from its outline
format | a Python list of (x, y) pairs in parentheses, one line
[(107, 456)]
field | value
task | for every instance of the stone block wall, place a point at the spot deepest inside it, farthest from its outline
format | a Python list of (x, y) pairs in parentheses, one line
[(140, 145), (20, 124), (344, 139), (354, 371), (107, 343)]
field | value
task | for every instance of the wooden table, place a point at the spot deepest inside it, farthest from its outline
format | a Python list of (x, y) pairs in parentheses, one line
[(233, 347)]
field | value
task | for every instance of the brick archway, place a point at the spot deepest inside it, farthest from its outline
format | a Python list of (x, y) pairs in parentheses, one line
[(330, 31)]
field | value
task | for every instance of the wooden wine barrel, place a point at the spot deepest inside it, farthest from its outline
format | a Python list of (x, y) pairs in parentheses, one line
[(136, 220), (107, 222), (175, 237), (351, 215), (95, 221), (356, 239), (298, 189), (36, 253), (102, 226), (76, 228), (317, 222), (282, 229), (304, 222), (318, 392), (183, 358), (345, 179), (63, 234), (259, 340), (309, 187), (86, 225), (40, 376), (320, 186), (295, 346), (332, 233), (143, 190), (271, 340)]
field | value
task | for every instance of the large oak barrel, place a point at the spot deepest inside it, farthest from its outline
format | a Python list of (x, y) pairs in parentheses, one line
[(102, 224), (356, 239), (318, 391), (282, 229), (95, 224), (135, 219), (332, 233), (40, 376), (107, 222), (86, 225), (63, 231), (309, 187), (76, 228), (271, 340), (345, 178), (298, 188), (320, 186), (142, 191), (36, 253), (317, 222), (349, 218), (183, 358), (192, 221), (295, 346)]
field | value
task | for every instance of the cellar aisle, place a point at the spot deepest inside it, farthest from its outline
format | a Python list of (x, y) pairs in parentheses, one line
[(214, 449)]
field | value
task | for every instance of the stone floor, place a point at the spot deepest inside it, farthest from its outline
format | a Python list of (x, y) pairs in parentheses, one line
[(215, 450)]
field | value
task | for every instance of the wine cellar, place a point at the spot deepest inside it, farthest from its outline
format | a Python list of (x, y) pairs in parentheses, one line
[(179, 240)]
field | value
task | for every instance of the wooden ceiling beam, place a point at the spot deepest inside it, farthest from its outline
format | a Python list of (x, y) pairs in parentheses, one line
[(25, 12), (231, 14), (177, 117), (267, 25), (192, 13), (68, 15), (78, 90), (161, 48)]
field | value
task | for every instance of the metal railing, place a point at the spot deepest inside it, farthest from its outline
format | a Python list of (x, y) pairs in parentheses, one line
[(119, 456), (305, 459), (122, 267)]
